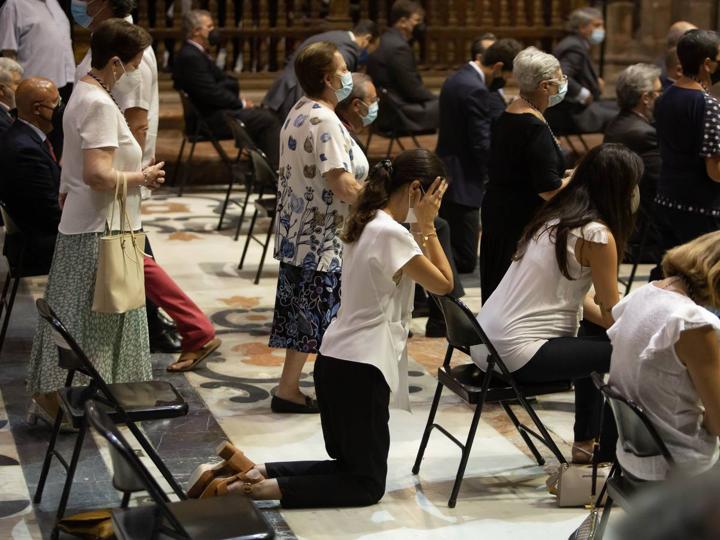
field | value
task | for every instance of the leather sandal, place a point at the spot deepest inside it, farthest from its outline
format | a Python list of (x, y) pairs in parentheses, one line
[(221, 486), (235, 462), (230, 453), (189, 360)]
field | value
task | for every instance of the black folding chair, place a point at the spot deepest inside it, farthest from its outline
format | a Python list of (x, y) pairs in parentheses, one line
[(476, 387), (235, 516), (265, 180), (394, 124), (635, 258), (638, 436), (125, 403), (14, 249)]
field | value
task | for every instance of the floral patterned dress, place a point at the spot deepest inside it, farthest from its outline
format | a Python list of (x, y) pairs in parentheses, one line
[(313, 142)]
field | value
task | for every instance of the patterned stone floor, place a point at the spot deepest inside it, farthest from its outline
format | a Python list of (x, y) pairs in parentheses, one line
[(503, 495)]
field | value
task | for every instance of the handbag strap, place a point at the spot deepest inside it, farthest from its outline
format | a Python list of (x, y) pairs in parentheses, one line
[(596, 459)]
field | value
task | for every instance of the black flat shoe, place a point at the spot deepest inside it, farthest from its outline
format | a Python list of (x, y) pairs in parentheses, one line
[(165, 341), (280, 405)]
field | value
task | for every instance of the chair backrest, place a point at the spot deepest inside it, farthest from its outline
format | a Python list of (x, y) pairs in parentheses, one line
[(11, 227), (194, 123), (265, 177), (73, 358), (240, 133), (636, 432), (15, 240), (108, 430)]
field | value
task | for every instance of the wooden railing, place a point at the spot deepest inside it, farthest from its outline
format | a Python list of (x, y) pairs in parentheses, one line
[(263, 33)]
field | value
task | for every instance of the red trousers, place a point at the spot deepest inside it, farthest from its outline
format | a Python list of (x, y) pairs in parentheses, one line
[(193, 325)]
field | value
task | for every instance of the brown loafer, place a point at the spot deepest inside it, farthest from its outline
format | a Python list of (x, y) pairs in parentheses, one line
[(191, 359)]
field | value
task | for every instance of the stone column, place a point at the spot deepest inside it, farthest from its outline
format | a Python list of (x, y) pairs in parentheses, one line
[(339, 16)]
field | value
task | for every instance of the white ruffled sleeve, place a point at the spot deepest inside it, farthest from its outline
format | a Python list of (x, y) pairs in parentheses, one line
[(685, 318), (592, 232)]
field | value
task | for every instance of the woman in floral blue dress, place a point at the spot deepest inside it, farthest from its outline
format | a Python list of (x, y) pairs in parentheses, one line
[(321, 168)]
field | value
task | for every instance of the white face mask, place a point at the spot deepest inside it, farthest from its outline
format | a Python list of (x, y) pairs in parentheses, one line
[(411, 217), (128, 81)]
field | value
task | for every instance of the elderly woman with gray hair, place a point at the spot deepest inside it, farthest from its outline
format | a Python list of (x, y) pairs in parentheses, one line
[(526, 164), (10, 75), (637, 88)]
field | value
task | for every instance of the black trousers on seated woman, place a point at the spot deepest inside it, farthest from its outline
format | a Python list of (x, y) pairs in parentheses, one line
[(575, 358), (354, 410)]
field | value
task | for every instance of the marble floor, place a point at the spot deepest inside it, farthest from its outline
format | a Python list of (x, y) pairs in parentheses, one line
[(503, 495)]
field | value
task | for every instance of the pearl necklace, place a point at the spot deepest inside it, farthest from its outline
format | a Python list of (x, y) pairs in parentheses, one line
[(104, 86)]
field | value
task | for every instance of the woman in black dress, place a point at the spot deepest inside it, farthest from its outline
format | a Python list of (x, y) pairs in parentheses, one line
[(526, 164), (687, 203)]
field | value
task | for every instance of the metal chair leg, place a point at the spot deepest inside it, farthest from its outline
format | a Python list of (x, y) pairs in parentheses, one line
[(466, 453), (583, 142), (528, 441), (156, 459), (400, 144), (8, 311), (186, 170), (428, 428), (604, 518), (389, 150), (549, 442), (178, 161), (125, 499), (71, 470), (265, 248), (247, 241), (3, 295), (242, 212), (37, 498)]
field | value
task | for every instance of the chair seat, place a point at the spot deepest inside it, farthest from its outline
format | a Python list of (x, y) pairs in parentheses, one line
[(465, 380), (401, 131), (148, 400), (233, 516), (266, 205)]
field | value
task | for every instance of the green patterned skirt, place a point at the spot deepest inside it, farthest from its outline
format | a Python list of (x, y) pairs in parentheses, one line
[(117, 344)]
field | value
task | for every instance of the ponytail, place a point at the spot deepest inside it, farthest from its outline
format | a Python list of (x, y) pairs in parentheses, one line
[(374, 196)]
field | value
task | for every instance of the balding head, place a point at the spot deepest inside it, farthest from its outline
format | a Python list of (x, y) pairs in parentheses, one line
[(36, 98), (677, 30)]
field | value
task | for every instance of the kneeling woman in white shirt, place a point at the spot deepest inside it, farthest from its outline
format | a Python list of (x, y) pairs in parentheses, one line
[(666, 358), (359, 359), (575, 241)]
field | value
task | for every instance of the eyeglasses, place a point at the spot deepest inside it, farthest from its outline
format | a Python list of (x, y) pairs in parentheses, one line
[(559, 81)]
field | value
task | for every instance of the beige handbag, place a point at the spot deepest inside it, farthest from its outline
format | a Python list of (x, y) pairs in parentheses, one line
[(120, 278), (574, 484)]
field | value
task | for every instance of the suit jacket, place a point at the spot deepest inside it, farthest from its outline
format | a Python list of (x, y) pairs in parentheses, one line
[(573, 52), (29, 185), (466, 115), (210, 89), (285, 90), (5, 120), (393, 67)]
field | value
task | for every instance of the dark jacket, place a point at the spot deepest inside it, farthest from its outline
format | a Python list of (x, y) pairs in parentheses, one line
[(29, 185), (210, 89), (392, 66), (5, 120), (573, 52), (466, 114), (285, 90)]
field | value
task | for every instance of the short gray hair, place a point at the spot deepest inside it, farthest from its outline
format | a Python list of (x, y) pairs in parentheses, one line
[(532, 66), (582, 16), (192, 20), (8, 66), (633, 82)]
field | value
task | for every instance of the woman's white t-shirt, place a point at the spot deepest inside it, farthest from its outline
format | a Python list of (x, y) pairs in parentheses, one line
[(535, 302), (645, 369), (376, 300), (93, 120)]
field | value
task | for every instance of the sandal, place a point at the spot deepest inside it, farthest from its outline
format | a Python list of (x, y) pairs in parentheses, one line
[(235, 462), (221, 486), (191, 359), (230, 453)]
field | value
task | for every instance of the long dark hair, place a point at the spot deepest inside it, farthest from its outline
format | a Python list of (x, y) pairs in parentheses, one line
[(600, 190), (385, 179)]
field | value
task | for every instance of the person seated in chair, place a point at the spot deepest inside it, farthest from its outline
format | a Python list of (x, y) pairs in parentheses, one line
[(666, 358), (10, 75), (582, 111), (574, 242), (213, 92), (286, 91), (637, 88), (30, 180), (360, 108), (392, 66)]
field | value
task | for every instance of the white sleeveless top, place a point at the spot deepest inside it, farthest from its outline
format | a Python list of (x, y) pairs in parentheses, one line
[(645, 368), (534, 302)]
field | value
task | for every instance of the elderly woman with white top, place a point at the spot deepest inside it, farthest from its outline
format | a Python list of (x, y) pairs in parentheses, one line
[(99, 150), (573, 243), (360, 361), (666, 358)]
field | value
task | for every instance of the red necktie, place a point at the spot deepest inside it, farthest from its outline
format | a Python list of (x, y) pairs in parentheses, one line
[(50, 148)]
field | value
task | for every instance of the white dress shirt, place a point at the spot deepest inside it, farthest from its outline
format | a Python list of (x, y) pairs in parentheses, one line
[(39, 31)]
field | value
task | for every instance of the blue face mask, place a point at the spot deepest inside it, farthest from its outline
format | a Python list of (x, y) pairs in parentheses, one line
[(371, 115), (78, 8), (597, 36), (557, 98), (347, 86)]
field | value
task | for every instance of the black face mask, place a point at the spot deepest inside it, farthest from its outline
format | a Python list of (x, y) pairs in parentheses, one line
[(57, 116), (497, 84), (418, 33), (214, 37), (715, 76)]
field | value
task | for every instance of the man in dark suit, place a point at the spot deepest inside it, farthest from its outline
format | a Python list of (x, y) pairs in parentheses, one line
[(30, 178), (392, 66), (582, 110), (214, 92), (10, 74), (637, 87), (286, 91), (468, 106)]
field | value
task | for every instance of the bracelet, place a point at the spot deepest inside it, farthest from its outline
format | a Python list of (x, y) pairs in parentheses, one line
[(146, 176), (425, 238)]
